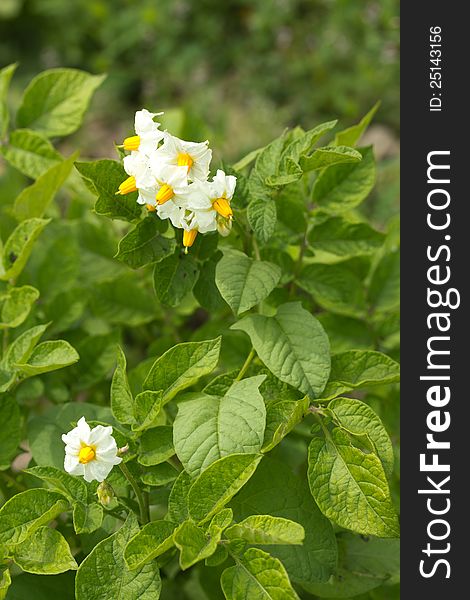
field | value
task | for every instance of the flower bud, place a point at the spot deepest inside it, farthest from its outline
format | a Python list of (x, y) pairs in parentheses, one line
[(105, 493)]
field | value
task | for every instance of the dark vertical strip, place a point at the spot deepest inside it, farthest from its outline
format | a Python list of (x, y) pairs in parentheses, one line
[(435, 271)]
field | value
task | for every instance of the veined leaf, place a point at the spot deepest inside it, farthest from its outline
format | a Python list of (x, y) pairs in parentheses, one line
[(350, 487), (244, 282), (293, 345), (257, 576), (104, 573), (19, 246), (181, 366), (152, 541), (56, 100), (203, 428), (217, 485), (45, 552), (265, 530), (30, 152)]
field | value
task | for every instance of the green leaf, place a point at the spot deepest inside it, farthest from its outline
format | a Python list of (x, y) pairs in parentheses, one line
[(384, 289), (16, 305), (122, 402), (123, 301), (174, 277), (304, 144), (152, 541), (244, 282), (334, 288), (24, 513), (48, 356), (144, 244), (87, 517), (20, 350), (178, 499), (264, 530), (181, 366), (30, 152), (159, 475), (359, 368), (147, 409), (364, 564), (351, 135), (290, 172), (73, 488), (266, 165), (45, 552), (5, 578), (34, 200), (217, 485), (343, 187), (56, 100), (18, 247), (275, 490), (293, 345), (350, 487), (203, 428), (262, 217), (358, 418), (257, 576), (103, 178), (341, 239), (194, 544), (329, 156), (156, 445), (281, 418), (5, 77), (10, 426), (104, 573)]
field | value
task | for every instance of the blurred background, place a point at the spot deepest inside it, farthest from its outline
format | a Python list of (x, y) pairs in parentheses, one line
[(237, 72)]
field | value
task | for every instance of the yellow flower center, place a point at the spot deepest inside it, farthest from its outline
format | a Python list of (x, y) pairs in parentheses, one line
[(86, 454), (127, 186), (185, 160), (164, 194), (131, 143), (151, 207), (188, 238), (222, 206)]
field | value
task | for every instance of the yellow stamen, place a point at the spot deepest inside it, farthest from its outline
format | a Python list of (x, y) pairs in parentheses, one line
[(222, 206), (164, 194), (127, 186), (131, 143), (151, 207), (185, 160), (86, 454), (188, 238)]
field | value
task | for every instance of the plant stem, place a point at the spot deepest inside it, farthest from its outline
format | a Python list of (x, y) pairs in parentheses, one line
[(256, 248), (246, 364), (144, 516)]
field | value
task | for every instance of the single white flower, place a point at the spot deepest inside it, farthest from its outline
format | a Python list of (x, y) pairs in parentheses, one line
[(195, 156), (208, 202), (137, 166), (90, 452), (148, 135)]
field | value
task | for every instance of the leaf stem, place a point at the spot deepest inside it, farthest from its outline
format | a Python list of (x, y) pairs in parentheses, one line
[(246, 364), (256, 248), (143, 507)]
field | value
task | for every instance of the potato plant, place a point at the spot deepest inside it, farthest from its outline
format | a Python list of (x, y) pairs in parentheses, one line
[(226, 401)]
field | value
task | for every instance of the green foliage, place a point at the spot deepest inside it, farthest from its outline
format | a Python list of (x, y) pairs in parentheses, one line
[(222, 372)]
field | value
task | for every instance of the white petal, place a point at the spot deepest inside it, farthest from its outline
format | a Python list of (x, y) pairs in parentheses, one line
[(101, 435), (98, 470)]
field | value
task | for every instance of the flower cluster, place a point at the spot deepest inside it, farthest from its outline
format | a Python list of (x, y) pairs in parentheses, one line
[(172, 178)]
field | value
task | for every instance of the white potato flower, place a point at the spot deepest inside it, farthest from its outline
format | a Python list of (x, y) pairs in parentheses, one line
[(195, 156), (209, 200), (90, 452), (148, 133), (137, 166)]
